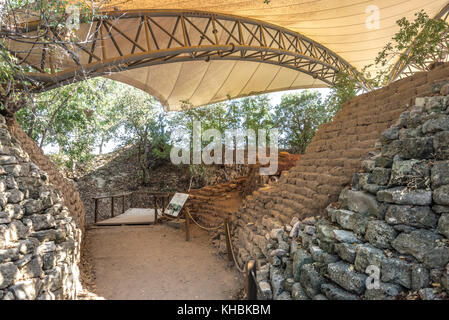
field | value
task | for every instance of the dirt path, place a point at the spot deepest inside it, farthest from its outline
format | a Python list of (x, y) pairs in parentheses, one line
[(155, 262)]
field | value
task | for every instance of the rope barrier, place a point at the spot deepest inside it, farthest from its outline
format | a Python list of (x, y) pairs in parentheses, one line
[(228, 235), (202, 227)]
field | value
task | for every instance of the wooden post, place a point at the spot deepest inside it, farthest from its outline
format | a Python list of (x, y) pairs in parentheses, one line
[(251, 288), (155, 209), (96, 210), (228, 239), (187, 225), (164, 203), (123, 204), (112, 207)]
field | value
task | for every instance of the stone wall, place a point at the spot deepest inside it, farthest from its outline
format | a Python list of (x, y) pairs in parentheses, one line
[(39, 239), (388, 235), (70, 194), (332, 158)]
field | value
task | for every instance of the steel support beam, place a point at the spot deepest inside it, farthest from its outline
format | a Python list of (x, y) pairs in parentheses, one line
[(159, 37)]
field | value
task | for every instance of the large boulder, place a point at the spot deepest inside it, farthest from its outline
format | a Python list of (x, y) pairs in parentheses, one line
[(342, 274), (403, 195), (416, 243), (414, 216), (361, 202), (380, 234)]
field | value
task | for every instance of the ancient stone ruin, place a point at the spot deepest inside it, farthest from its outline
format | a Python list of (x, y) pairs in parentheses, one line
[(39, 237), (390, 225)]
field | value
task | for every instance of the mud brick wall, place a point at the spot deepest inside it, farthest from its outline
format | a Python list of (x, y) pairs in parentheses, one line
[(213, 203), (332, 158), (70, 194)]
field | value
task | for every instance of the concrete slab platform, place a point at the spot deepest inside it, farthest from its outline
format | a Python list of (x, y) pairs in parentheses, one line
[(132, 216)]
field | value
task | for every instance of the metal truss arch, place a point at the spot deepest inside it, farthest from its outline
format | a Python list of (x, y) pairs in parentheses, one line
[(123, 41)]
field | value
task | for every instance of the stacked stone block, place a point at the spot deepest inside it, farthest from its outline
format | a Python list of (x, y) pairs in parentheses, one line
[(331, 160), (69, 192), (39, 239), (388, 235)]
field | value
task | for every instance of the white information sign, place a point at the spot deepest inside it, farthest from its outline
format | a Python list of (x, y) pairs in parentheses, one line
[(175, 206)]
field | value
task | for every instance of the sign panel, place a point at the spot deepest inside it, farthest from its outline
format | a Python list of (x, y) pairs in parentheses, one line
[(175, 206)]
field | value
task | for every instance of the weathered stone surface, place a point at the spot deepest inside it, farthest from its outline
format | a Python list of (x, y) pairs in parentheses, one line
[(325, 236), (440, 209), (277, 281), (321, 256), (397, 271), (300, 258), (416, 243), (33, 206), (341, 273), (380, 234), (45, 235), (311, 280), (441, 145), (15, 196), (437, 124), (441, 195), (420, 277), (386, 291), (294, 231), (383, 162), (381, 176), (288, 284), (284, 296), (345, 218), (8, 273), (276, 233), (298, 293), (443, 225), (428, 294), (33, 269), (26, 290), (333, 292), (32, 213), (402, 195), (437, 257), (361, 202), (7, 160), (420, 217), (264, 292), (346, 251), (417, 148), (440, 174), (320, 297), (391, 149), (42, 221), (5, 217), (410, 172), (367, 255), (345, 236), (6, 255)]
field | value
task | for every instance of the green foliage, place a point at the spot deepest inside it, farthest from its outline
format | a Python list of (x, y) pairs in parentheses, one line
[(414, 44), (72, 118), (344, 89), (298, 117)]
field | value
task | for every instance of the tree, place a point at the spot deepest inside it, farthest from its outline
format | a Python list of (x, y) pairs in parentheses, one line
[(298, 116), (418, 44), (53, 34), (74, 119), (344, 89), (143, 124)]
